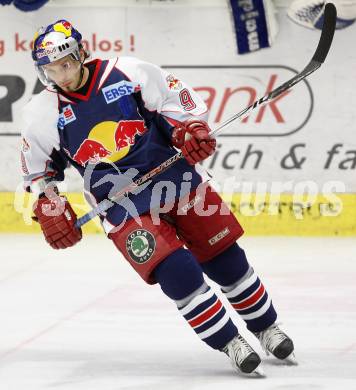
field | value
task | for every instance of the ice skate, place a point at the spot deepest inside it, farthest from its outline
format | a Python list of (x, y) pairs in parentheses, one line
[(273, 340), (243, 357)]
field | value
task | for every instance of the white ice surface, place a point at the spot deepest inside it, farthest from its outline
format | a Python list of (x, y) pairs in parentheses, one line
[(81, 319)]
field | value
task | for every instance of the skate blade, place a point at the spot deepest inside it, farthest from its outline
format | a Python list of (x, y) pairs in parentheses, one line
[(259, 372), (291, 360)]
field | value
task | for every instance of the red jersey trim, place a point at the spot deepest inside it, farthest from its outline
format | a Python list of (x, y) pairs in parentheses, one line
[(104, 76), (92, 83)]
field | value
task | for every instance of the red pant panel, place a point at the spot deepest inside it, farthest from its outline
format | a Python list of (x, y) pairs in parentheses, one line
[(205, 235), (144, 247)]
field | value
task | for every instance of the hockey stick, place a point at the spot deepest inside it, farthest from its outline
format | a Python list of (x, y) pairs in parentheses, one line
[(319, 56)]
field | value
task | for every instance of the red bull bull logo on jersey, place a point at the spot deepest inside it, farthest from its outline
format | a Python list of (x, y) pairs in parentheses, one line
[(174, 83), (91, 151), (109, 141), (126, 131)]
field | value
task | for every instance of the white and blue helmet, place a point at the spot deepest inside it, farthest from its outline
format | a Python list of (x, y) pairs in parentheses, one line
[(54, 42)]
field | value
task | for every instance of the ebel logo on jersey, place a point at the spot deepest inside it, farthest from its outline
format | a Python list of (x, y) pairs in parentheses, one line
[(115, 91), (67, 116)]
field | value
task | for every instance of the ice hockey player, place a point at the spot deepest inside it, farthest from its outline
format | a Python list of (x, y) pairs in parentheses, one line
[(123, 115)]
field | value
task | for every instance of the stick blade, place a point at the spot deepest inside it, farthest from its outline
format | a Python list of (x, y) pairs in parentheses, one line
[(327, 33)]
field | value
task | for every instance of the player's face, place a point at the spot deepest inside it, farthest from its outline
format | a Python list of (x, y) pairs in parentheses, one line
[(64, 72)]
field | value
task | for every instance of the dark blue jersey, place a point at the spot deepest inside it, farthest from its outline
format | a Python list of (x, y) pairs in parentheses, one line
[(116, 132)]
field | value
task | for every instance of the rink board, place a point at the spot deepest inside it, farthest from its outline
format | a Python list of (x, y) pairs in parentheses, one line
[(260, 215)]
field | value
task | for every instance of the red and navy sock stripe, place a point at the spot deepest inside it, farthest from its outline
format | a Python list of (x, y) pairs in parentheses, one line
[(250, 299), (210, 321)]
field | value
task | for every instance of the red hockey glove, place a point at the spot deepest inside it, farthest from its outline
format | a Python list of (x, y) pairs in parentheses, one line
[(57, 220), (193, 139)]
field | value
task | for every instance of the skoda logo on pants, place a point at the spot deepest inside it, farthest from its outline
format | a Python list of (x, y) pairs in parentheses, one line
[(140, 245)]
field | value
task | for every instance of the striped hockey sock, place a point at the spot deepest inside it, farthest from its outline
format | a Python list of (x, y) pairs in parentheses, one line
[(249, 298), (207, 316)]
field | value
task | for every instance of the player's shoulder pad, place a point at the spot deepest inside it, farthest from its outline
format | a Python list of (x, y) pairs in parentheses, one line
[(128, 61), (137, 69), (41, 112)]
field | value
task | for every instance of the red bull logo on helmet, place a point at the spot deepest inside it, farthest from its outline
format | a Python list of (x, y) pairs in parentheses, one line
[(109, 141), (44, 44), (44, 48), (64, 27)]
